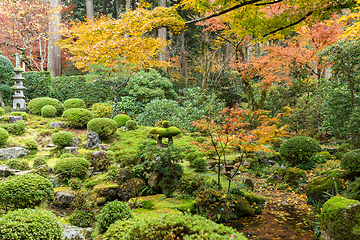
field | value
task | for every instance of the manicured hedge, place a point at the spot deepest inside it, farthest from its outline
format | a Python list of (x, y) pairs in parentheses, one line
[(37, 84)]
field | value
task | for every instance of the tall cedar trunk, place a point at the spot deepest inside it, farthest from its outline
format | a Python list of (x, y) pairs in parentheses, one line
[(183, 58), (54, 59), (89, 9), (162, 35), (205, 61), (104, 4)]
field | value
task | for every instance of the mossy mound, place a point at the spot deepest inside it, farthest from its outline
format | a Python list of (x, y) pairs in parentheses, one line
[(291, 176), (340, 219), (317, 187)]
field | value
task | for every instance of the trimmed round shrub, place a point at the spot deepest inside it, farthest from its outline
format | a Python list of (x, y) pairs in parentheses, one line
[(104, 127), (77, 117), (199, 164), (121, 119), (39, 161), (48, 111), (25, 191), (31, 144), (74, 103), (131, 125), (2, 111), (71, 167), (36, 104), (62, 139), (4, 135), (191, 156), (298, 150), (24, 115), (39, 224), (102, 110), (18, 164), (177, 226), (6, 68), (112, 212), (16, 128), (350, 162)]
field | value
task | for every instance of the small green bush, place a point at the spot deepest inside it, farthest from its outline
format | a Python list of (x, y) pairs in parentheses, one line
[(71, 167), (25, 191), (102, 110), (24, 115), (62, 139), (112, 212), (2, 111), (18, 164), (4, 135), (77, 117), (30, 224), (298, 150), (75, 183), (48, 111), (103, 126), (31, 144), (36, 104), (6, 69), (351, 162), (121, 119), (74, 103), (131, 125), (39, 161), (191, 156), (17, 128), (200, 164)]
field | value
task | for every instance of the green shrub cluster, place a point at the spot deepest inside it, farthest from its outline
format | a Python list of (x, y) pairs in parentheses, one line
[(25, 191), (77, 117), (131, 125), (112, 212), (104, 127), (121, 119), (6, 69), (2, 111), (24, 115), (176, 226), (351, 162), (4, 135), (298, 150), (19, 164), (191, 156), (200, 164), (189, 185), (6, 92), (16, 128), (48, 111), (71, 167), (30, 224), (102, 110), (62, 139), (36, 104), (84, 205), (31, 144), (39, 161), (38, 84), (74, 103)]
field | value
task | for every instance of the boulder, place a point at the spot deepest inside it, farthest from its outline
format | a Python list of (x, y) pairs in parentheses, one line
[(76, 233), (124, 128), (63, 198), (92, 140), (57, 125), (75, 142), (71, 150), (154, 181), (242, 207), (316, 189), (5, 171), (103, 147), (340, 219), (107, 190), (14, 152), (23, 172), (13, 119)]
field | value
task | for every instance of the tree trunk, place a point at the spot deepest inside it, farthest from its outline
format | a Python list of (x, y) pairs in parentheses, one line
[(104, 4), (54, 59), (183, 72), (89, 9), (162, 35)]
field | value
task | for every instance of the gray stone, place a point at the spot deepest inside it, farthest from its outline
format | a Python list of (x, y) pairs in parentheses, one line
[(5, 171), (75, 142), (100, 155), (63, 199), (53, 182), (76, 233), (103, 147), (14, 152), (92, 140), (23, 172), (124, 128), (71, 150), (51, 145), (57, 125), (13, 119)]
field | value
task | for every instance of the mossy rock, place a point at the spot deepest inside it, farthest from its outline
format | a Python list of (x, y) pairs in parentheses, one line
[(291, 176), (242, 207), (108, 191), (317, 187), (340, 219), (255, 202)]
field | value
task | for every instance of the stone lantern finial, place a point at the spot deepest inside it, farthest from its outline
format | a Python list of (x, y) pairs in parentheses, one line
[(17, 60)]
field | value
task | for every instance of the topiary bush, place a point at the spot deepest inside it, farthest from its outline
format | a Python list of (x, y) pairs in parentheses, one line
[(39, 161), (104, 127), (131, 125), (102, 110), (191, 156), (31, 144), (71, 167), (31, 224), (199, 164), (4, 135), (18, 164), (112, 212), (48, 111), (77, 117), (121, 119), (177, 226), (62, 139), (16, 128), (6, 68), (298, 150), (74, 103), (25, 191), (36, 104), (350, 162)]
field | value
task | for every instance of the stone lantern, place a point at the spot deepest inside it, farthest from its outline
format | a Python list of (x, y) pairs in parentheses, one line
[(18, 97)]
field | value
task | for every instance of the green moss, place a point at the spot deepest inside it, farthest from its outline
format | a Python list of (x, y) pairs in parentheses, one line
[(340, 218), (328, 183), (242, 207), (166, 132)]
